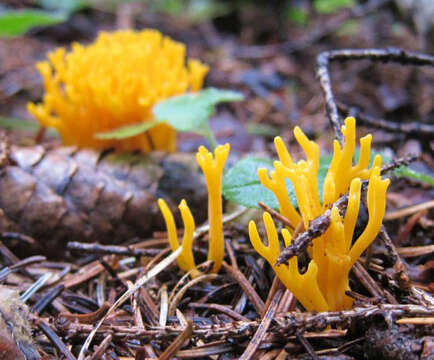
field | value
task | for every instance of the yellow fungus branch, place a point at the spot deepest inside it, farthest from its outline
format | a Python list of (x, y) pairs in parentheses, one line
[(212, 168), (303, 286), (276, 183), (342, 171), (376, 208), (185, 259), (322, 287)]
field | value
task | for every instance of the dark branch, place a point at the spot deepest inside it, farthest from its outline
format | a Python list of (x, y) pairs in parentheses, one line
[(382, 55), (409, 128)]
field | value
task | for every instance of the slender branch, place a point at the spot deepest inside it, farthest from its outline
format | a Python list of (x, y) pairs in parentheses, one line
[(284, 324), (382, 55), (96, 248), (409, 128)]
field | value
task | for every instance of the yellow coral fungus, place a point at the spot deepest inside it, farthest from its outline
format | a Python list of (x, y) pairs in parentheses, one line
[(303, 174), (337, 180), (212, 167), (114, 82), (304, 286), (323, 285), (185, 259)]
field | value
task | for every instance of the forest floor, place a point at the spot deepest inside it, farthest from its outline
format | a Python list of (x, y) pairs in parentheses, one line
[(238, 313)]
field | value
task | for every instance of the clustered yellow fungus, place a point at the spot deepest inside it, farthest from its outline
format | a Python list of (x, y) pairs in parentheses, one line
[(322, 287), (115, 82), (212, 166)]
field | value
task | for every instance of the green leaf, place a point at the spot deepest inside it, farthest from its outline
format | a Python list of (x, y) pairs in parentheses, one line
[(18, 124), (202, 10), (17, 22), (298, 15), (191, 112), (127, 131), (266, 130), (185, 113), (331, 6), (242, 186)]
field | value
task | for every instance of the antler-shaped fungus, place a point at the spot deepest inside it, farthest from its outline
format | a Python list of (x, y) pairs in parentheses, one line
[(212, 166), (185, 259), (304, 286), (323, 285)]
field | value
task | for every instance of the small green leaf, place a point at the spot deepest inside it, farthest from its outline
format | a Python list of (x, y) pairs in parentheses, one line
[(266, 130), (331, 6), (215, 96), (185, 113), (242, 186), (127, 131), (191, 112), (298, 15), (17, 22), (18, 124)]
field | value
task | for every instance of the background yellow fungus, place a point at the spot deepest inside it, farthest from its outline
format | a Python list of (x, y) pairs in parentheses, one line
[(212, 167), (114, 82)]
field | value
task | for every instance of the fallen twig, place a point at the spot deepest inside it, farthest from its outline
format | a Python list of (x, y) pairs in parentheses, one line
[(96, 248), (383, 55), (409, 210), (170, 352), (55, 340), (286, 324), (262, 328), (408, 128)]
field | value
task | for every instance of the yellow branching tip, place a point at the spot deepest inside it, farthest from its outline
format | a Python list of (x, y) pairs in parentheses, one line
[(185, 259), (115, 82), (322, 287), (212, 166)]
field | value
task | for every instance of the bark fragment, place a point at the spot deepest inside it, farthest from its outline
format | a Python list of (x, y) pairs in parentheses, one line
[(65, 194)]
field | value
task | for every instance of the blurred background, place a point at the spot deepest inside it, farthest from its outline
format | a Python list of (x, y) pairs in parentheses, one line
[(266, 49)]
